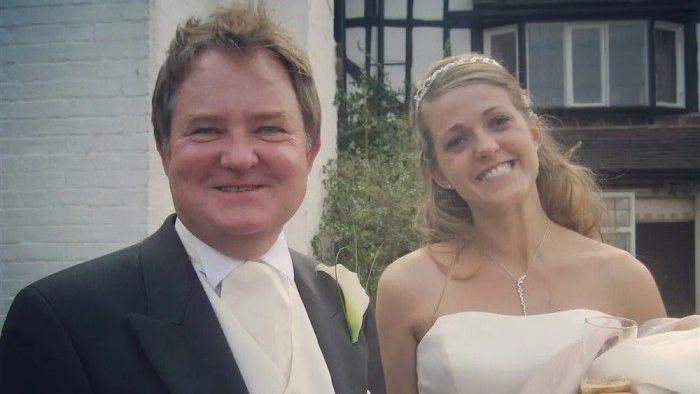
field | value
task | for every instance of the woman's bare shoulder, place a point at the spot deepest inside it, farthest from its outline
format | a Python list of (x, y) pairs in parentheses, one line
[(405, 270), (632, 283), (415, 275)]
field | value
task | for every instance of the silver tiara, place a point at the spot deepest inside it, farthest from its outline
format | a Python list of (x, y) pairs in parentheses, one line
[(456, 63)]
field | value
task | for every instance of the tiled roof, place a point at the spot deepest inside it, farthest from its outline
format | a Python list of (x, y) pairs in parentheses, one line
[(644, 148)]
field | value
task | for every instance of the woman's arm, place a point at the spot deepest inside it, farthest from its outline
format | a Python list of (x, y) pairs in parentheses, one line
[(396, 339)]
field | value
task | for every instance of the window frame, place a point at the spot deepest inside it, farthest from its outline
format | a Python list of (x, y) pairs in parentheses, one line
[(678, 30), (631, 228), (493, 31), (648, 77)]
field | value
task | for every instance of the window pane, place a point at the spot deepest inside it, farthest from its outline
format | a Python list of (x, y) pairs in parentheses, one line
[(622, 203), (460, 41), (618, 240), (427, 10), (622, 218), (395, 77), (665, 63), (354, 8), (394, 44), (627, 63), (427, 48), (585, 65), (461, 5), (503, 50), (395, 9), (355, 45), (545, 47)]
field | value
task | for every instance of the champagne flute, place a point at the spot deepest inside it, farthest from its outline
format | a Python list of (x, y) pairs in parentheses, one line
[(604, 333)]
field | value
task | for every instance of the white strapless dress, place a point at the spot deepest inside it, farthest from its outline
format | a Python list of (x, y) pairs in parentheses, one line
[(479, 352)]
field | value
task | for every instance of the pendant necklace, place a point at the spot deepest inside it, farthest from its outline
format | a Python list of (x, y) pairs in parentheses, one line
[(520, 280)]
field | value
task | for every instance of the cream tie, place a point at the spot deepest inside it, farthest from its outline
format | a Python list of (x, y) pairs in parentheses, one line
[(259, 298)]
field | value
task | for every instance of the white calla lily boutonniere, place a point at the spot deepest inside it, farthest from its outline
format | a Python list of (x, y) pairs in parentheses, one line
[(354, 295)]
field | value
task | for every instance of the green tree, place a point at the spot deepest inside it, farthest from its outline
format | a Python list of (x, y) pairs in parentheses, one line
[(373, 185)]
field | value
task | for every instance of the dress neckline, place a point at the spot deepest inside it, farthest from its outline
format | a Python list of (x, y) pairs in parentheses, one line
[(494, 315)]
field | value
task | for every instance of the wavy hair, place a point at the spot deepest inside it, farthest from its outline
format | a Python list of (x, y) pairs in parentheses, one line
[(568, 192)]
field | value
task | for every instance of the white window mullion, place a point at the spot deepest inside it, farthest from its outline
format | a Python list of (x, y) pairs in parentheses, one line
[(568, 67), (604, 66)]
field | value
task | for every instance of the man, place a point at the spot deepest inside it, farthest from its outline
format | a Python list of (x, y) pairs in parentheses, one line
[(213, 302)]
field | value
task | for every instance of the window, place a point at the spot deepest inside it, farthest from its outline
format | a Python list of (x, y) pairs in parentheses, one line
[(618, 226), (668, 62), (502, 44), (427, 48), (545, 63), (593, 63), (460, 41), (585, 54), (394, 57)]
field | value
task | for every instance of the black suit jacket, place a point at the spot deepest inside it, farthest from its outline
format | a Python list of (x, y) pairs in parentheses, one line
[(139, 321)]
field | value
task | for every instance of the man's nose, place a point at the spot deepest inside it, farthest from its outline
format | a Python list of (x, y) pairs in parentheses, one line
[(239, 153)]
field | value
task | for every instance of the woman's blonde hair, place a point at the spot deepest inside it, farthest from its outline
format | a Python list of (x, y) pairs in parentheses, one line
[(568, 192)]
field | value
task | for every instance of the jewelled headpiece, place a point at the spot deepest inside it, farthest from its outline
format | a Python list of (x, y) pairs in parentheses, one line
[(423, 88)]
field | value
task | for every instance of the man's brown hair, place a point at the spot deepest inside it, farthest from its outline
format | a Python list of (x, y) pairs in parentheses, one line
[(232, 30)]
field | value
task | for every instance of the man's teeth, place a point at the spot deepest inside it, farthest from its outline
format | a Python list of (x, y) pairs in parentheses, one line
[(238, 189), (499, 170)]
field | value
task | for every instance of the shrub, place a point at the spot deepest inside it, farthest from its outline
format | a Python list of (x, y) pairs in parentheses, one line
[(373, 185)]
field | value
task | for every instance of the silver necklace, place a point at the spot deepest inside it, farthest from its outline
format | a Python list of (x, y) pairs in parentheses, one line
[(520, 280)]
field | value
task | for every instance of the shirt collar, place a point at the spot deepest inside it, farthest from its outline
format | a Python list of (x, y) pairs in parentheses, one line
[(216, 266)]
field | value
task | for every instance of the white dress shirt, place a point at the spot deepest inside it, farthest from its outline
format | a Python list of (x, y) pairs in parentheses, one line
[(309, 372), (215, 266)]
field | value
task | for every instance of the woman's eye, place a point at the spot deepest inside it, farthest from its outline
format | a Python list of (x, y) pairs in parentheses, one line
[(500, 122), (455, 142)]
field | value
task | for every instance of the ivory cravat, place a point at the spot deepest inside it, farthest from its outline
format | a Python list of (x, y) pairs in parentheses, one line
[(259, 298)]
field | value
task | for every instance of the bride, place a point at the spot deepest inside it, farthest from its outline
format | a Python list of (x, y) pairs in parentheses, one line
[(512, 264)]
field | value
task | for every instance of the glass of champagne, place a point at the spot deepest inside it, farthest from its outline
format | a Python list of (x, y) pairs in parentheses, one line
[(604, 333)]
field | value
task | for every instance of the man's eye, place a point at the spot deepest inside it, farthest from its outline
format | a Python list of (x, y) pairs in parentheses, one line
[(270, 130), (206, 130)]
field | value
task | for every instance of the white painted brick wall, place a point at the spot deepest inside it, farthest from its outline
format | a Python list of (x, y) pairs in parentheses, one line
[(79, 172), (74, 134)]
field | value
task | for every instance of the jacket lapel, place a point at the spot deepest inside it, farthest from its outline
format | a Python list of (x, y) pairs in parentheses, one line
[(180, 334), (324, 305)]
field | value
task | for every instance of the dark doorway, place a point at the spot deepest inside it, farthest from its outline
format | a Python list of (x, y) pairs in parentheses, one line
[(667, 249)]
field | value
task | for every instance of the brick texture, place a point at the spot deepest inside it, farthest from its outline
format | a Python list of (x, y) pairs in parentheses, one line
[(74, 134)]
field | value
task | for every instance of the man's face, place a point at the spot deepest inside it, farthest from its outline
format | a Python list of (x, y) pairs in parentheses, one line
[(238, 159)]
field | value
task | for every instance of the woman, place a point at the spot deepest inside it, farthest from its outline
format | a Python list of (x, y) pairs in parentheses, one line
[(511, 266)]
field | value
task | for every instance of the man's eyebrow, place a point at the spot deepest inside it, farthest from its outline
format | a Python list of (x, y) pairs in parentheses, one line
[(204, 117), (271, 115), (201, 117)]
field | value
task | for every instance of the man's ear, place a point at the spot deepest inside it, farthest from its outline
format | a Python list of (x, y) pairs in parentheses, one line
[(312, 152), (164, 153)]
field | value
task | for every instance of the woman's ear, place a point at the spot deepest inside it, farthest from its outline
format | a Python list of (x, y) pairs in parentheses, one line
[(536, 132), (438, 177)]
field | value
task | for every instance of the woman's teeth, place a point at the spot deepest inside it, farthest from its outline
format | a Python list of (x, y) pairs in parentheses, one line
[(499, 170)]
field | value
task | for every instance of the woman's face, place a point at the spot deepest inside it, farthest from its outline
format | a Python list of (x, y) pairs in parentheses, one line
[(485, 149)]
